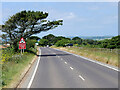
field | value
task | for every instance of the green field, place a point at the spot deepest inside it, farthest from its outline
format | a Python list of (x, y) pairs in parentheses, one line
[(108, 56)]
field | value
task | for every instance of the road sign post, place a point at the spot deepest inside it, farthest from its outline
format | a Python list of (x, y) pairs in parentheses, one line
[(22, 44)]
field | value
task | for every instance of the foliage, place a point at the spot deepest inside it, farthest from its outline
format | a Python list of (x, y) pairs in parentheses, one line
[(50, 38), (30, 43), (43, 42), (26, 23), (4, 37), (12, 62), (62, 42), (77, 40), (7, 53), (34, 38), (13, 67), (111, 43), (108, 56)]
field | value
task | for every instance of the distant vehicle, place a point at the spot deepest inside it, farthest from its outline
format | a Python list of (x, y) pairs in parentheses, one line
[(47, 45)]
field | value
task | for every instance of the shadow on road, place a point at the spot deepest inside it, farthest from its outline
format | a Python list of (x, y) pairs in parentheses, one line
[(46, 55)]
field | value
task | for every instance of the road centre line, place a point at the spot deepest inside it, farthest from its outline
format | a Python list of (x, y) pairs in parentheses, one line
[(31, 80), (71, 68), (97, 62), (81, 77), (65, 62)]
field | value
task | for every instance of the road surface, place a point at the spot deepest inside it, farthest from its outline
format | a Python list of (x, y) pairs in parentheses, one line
[(57, 69)]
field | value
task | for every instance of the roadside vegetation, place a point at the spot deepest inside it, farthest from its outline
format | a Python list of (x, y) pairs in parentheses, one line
[(22, 24), (0, 70), (61, 41), (13, 68), (13, 63), (107, 56), (105, 51)]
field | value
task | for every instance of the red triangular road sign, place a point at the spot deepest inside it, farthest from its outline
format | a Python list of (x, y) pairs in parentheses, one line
[(22, 40)]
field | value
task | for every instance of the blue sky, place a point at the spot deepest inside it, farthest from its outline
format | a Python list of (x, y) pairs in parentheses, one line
[(80, 18)]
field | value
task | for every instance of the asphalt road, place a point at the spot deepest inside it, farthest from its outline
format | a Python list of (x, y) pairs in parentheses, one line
[(58, 69)]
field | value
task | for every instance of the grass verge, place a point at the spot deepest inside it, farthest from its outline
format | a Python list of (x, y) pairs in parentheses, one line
[(107, 56), (0, 70), (14, 68)]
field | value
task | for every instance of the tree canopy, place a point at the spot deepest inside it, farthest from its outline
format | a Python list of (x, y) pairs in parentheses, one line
[(34, 37), (50, 39), (26, 23)]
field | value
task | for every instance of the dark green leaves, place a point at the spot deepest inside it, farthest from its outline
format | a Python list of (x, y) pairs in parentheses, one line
[(26, 23)]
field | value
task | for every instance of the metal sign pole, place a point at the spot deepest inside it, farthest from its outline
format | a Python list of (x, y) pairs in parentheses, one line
[(21, 51)]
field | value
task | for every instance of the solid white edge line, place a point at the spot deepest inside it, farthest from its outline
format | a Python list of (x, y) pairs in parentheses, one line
[(31, 80), (91, 60), (81, 77)]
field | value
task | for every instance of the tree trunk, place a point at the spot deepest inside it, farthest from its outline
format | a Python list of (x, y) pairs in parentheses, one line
[(15, 46)]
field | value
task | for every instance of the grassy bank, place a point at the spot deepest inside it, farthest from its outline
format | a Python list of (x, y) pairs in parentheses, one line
[(108, 56), (0, 70), (13, 64)]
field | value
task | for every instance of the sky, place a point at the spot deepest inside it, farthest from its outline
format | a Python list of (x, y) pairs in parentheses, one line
[(79, 18)]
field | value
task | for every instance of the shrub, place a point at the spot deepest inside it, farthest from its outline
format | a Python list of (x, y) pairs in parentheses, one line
[(62, 42), (30, 44), (43, 42)]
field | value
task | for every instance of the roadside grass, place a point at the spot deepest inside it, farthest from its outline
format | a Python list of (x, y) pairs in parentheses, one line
[(0, 69), (108, 56), (13, 67)]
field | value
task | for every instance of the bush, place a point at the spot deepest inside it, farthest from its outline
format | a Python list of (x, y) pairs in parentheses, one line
[(30, 44), (62, 42), (7, 53), (43, 42)]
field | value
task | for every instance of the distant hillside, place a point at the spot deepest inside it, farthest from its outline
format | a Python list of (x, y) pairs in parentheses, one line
[(93, 37)]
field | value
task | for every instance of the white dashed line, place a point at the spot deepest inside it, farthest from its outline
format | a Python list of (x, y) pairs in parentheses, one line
[(61, 59), (81, 77), (65, 62), (71, 68), (97, 62)]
